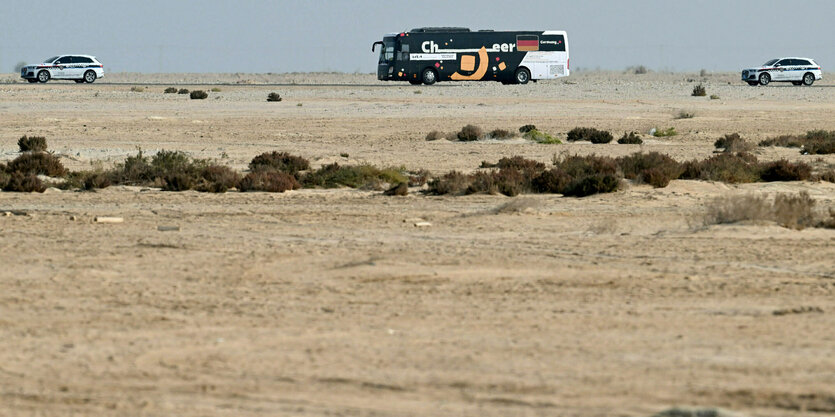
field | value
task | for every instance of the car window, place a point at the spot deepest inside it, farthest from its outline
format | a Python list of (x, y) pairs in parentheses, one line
[(770, 63), (64, 60), (802, 62), (83, 60), (785, 62)]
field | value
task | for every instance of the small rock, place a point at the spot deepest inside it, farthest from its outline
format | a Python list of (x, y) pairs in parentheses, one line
[(423, 224), (168, 228), (73, 218)]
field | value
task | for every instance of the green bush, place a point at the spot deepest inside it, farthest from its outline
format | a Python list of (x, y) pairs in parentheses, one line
[(37, 163), (360, 176), (32, 144), (198, 95), (660, 133), (541, 137), (699, 91)]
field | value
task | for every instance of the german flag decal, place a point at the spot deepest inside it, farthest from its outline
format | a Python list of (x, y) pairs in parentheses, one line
[(527, 43)]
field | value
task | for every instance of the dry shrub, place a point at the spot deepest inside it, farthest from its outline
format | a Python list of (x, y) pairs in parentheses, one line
[(554, 181), (509, 182), (662, 133), (652, 168), (630, 138), (269, 181), (135, 170), (37, 163), (24, 183), (699, 91), (183, 91), (828, 176), (140, 170), (419, 178), (784, 170), (470, 133), (435, 135), (724, 167), (815, 142), (198, 95), (359, 176), (521, 164), (589, 134), (795, 211), (96, 180), (218, 179), (401, 189), (178, 182), (733, 143), (501, 134), (279, 161), (32, 144), (526, 128), (580, 166), (592, 184), (453, 182), (274, 97), (170, 90)]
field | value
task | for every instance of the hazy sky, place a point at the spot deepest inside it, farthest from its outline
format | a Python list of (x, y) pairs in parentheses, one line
[(336, 35)]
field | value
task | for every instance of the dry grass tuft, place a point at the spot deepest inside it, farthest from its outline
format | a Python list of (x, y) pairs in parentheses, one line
[(794, 211), (32, 144), (23, 183)]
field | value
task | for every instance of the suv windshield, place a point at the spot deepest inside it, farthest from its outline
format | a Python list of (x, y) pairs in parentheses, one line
[(50, 60), (770, 63)]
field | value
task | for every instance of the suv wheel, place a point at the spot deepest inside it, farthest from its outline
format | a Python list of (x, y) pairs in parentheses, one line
[(765, 78), (43, 76), (808, 79), (90, 77), (429, 76)]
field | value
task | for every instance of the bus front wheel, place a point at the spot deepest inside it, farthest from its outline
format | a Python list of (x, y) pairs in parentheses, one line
[(523, 76), (429, 76)]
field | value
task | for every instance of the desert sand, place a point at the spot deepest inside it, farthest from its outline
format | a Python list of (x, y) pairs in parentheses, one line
[(333, 302)]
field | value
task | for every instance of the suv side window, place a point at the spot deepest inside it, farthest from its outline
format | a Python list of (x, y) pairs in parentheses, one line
[(63, 60), (85, 60), (785, 62), (803, 62)]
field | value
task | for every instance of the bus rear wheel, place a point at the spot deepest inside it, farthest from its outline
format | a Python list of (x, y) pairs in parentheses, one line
[(522, 76), (429, 76)]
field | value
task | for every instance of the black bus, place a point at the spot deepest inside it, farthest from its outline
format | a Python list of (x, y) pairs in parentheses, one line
[(429, 55)]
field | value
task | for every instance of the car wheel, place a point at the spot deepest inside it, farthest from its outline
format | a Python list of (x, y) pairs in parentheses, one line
[(808, 79), (522, 76), (43, 76), (90, 77), (32, 80), (429, 76), (753, 83), (765, 78)]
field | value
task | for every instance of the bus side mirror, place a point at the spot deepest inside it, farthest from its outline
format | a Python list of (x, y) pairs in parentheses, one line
[(374, 45)]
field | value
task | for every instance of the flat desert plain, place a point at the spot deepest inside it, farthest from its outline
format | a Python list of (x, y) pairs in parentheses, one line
[(333, 302)]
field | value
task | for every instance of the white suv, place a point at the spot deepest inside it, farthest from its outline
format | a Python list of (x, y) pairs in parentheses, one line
[(80, 68), (798, 71)]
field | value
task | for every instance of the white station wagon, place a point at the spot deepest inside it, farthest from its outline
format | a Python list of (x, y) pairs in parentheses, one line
[(798, 71), (79, 68)]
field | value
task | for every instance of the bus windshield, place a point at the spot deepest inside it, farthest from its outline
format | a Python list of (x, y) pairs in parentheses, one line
[(387, 51)]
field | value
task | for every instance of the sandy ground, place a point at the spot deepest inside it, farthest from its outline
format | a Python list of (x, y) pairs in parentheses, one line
[(332, 302)]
